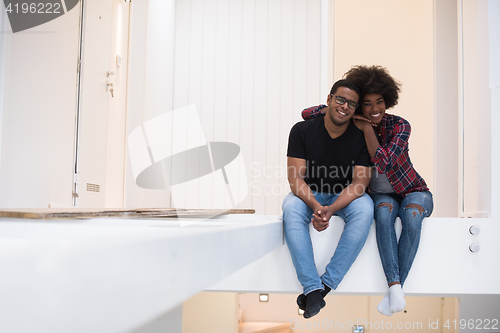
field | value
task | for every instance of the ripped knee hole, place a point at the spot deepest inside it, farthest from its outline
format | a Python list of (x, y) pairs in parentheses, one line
[(385, 204), (417, 207)]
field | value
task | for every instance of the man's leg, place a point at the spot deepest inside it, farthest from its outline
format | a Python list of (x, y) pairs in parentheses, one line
[(358, 217), (297, 217)]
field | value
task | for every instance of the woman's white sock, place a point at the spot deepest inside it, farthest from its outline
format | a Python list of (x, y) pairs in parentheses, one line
[(384, 307), (396, 298)]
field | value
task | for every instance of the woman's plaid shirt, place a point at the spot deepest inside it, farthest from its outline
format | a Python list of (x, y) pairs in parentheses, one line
[(391, 157)]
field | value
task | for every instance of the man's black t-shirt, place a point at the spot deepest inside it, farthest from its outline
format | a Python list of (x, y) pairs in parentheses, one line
[(330, 162)]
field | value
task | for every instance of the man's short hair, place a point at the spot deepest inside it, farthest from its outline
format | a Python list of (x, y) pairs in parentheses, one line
[(345, 84)]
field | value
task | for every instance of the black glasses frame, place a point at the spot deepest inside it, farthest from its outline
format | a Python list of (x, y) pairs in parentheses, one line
[(342, 100)]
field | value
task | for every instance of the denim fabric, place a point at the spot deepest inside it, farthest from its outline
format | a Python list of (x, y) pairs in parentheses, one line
[(358, 217), (398, 258)]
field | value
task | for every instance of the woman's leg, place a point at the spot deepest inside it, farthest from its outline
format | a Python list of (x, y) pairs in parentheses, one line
[(386, 211), (414, 208)]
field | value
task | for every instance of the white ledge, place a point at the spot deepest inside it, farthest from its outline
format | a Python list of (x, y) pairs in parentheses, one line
[(113, 275), (444, 265)]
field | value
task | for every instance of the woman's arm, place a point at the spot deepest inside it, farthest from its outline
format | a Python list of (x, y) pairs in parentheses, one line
[(386, 157), (313, 112), (370, 136)]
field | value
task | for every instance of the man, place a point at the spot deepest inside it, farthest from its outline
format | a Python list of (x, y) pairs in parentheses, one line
[(328, 172)]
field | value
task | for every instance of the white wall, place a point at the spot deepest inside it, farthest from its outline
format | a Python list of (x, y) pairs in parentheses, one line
[(94, 101), (248, 67), (494, 51), (251, 67), (399, 36), (447, 188), (477, 107), (3, 67), (170, 322), (38, 118), (238, 61), (117, 110), (152, 35)]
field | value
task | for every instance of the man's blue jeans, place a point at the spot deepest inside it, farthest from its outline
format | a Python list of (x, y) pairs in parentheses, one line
[(358, 217), (398, 258)]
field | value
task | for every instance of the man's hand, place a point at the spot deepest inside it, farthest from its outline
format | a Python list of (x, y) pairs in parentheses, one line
[(321, 219)]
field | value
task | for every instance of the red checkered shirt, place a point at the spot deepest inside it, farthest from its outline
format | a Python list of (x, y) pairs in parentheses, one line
[(312, 112), (392, 155)]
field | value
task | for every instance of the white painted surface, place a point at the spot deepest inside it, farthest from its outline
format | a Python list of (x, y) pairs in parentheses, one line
[(477, 108), (93, 124), (170, 321), (38, 117), (114, 275), (398, 35), (248, 67), (495, 151), (443, 265), (447, 188), (117, 110), (494, 38), (494, 76), (151, 74), (3, 66)]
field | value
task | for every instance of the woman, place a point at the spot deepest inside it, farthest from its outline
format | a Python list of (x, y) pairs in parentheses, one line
[(396, 188)]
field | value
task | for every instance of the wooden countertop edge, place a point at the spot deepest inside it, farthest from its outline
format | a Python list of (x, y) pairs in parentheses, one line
[(87, 213)]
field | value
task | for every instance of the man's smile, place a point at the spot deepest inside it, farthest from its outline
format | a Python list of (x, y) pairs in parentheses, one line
[(342, 113)]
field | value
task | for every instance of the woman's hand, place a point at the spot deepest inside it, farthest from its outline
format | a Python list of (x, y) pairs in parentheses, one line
[(361, 122)]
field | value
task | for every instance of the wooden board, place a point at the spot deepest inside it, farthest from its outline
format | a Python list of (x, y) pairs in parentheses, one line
[(89, 213)]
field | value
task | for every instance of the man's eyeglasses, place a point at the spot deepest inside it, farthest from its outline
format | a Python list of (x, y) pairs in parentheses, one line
[(341, 100)]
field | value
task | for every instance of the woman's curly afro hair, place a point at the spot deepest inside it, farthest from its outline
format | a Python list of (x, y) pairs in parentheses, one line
[(375, 80)]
